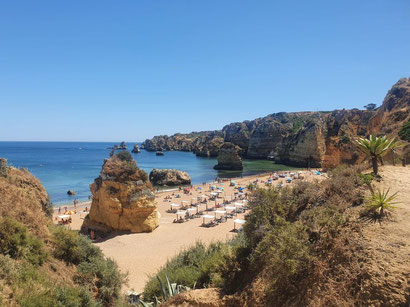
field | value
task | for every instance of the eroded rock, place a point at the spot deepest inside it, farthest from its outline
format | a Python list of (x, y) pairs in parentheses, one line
[(123, 199), (169, 177), (228, 158)]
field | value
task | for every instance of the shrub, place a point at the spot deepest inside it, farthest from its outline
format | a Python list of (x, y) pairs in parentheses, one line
[(124, 156), (17, 242), (73, 247), (104, 275), (284, 252), (196, 267), (404, 132), (94, 272)]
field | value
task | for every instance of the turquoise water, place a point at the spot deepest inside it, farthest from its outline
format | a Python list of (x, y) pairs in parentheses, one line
[(62, 166)]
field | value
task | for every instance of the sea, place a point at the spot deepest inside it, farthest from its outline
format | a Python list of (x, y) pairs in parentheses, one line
[(63, 166)]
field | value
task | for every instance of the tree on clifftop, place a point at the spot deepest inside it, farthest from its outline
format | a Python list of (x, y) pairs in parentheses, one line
[(375, 148)]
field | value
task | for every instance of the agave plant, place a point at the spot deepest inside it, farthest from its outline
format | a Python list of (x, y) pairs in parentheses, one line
[(380, 201), (375, 148), (168, 290)]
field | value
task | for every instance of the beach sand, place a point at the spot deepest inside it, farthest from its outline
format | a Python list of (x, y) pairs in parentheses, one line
[(142, 254)]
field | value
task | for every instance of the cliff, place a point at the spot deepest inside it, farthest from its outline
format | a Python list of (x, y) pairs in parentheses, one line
[(42, 264), (228, 158), (123, 199), (302, 138)]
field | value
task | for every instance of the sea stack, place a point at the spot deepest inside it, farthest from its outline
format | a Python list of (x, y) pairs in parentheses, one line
[(123, 198), (136, 149), (228, 158), (169, 177)]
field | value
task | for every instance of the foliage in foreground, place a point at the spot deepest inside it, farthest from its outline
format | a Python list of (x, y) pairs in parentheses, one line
[(93, 271), (294, 239), (376, 148), (404, 132), (195, 267), (381, 201)]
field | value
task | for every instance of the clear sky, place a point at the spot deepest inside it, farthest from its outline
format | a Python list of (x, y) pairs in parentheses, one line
[(131, 69)]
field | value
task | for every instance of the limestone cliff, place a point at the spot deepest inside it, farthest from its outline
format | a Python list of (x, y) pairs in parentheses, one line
[(228, 158), (123, 199), (301, 138)]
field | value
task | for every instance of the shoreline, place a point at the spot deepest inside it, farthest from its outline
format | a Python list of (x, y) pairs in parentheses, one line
[(170, 238), (162, 189)]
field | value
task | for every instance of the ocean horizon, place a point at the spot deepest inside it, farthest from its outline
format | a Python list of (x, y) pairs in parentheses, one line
[(63, 166)]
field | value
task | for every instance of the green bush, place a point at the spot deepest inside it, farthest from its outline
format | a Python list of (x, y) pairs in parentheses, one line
[(93, 270), (404, 132), (17, 242), (124, 156), (196, 267), (103, 274), (73, 247)]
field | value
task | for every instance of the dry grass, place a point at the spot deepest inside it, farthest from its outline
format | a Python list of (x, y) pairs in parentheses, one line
[(23, 198)]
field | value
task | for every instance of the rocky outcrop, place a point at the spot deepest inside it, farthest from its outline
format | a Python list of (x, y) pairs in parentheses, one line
[(318, 139), (136, 149), (169, 177), (228, 158), (71, 192), (123, 199), (3, 167)]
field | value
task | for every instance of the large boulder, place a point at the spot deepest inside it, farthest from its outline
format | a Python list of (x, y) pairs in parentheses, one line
[(228, 158), (169, 177), (123, 199)]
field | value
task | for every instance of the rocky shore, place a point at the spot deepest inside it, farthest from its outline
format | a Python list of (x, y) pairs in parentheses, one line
[(315, 139)]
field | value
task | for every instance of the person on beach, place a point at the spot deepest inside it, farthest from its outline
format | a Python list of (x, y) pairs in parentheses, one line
[(59, 210)]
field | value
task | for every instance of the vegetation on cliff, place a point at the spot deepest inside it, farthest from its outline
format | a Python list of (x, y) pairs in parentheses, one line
[(316, 139), (301, 246), (46, 265)]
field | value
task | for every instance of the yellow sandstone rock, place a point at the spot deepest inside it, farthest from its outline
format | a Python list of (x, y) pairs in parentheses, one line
[(123, 199)]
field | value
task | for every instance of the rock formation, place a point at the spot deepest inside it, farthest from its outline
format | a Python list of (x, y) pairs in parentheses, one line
[(136, 149), (318, 139), (123, 199), (169, 177), (70, 192), (228, 158), (123, 145)]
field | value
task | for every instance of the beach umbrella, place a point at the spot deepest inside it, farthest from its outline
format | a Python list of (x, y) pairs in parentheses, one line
[(207, 216), (238, 204), (175, 206), (230, 207), (191, 210), (220, 212), (238, 221)]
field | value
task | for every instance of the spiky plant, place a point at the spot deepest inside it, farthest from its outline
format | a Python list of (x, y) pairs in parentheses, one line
[(375, 148), (168, 290), (380, 201)]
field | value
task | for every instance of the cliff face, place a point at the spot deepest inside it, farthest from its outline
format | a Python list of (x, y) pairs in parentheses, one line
[(24, 199), (228, 158), (123, 198), (303, 138)]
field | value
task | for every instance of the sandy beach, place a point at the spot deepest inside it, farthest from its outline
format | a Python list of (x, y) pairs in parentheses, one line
[(142, 254)]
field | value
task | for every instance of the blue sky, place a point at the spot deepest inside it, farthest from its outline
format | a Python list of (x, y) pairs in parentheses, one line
[(129, 70)]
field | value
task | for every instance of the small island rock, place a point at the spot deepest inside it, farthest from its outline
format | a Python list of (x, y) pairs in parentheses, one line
[(71, 192), (136, 149), (169, 177)]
